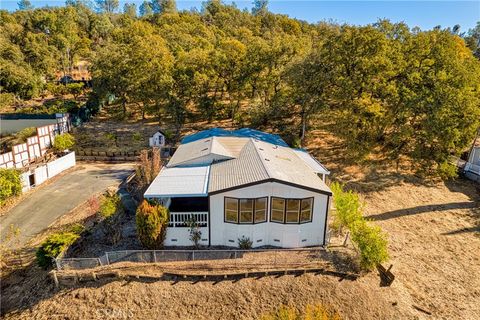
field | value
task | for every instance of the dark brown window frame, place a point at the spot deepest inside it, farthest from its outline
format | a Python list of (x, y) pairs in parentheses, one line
[(238, 210), (285, 210)]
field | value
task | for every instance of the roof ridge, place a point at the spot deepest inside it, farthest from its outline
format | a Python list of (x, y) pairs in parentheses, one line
[(262, 160)]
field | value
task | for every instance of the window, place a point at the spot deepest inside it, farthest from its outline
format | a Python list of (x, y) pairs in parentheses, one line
[(245, 211), (278, 210), (292, 211), (260, 210), (293, 208), (306, 210), (231, 210)]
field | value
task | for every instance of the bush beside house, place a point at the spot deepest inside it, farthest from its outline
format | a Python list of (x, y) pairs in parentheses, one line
[(152, 221), (369, 239)]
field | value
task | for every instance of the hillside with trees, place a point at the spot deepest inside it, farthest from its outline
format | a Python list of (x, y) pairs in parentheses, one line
[(388, 89)]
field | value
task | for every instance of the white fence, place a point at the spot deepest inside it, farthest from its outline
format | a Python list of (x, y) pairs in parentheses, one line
[(61, 164), (44, 172), (36, 146)]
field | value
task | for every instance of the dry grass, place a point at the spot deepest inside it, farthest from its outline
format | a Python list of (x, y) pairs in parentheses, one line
[(434, 243)]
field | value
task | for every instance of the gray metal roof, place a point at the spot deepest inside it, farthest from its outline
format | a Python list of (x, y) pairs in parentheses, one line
[(235, 162), (179, 182), (200, 152), (245, 169), (262, 161), (311, 161)]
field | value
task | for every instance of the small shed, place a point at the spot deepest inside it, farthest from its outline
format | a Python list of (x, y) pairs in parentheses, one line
[(157, 140)]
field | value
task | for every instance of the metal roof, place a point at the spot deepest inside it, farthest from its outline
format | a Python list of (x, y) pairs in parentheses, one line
[(261, 161), (180, 182), (217, 163), (245, 169), (311, 161), (244, 132), (200, 152)]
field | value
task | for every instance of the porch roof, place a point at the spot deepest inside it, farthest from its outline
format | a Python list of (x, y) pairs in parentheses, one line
[(180, 182)]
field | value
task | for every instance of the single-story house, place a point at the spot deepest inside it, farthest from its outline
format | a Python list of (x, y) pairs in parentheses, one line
[(243, 183)]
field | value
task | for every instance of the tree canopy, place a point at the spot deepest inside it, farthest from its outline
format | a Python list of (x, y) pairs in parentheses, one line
[(407, 92)]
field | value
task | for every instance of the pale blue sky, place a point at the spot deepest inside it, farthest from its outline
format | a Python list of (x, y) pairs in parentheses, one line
[(424, 14)]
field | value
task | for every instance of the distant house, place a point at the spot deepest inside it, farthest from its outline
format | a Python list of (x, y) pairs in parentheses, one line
[(243, 183), (472, 167), (157, 140)]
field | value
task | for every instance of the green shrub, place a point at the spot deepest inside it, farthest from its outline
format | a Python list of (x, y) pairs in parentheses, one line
[(151, 223), (110, 213), (109, 206), (25, 133), (447, 171), (10, 184), (53, 246), (371, 242), (74, 89), (347, 205), (6, 100), (137, 136), (195, 235), (245, 243), (311, 312), (63, 142)]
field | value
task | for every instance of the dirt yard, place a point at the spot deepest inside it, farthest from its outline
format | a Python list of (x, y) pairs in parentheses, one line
[(434, 243), (434, 233)]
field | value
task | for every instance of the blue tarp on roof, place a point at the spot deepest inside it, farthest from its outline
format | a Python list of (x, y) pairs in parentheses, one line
[(245, 132)]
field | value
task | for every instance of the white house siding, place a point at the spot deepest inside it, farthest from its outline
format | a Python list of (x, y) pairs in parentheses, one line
[(268, 233), (181, 237)]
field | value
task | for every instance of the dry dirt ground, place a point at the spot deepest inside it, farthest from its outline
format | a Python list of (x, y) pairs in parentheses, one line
[(434, 247), (434, 242)]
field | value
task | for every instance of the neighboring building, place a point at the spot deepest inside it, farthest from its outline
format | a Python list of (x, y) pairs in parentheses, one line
[(472, 167), (14, 122), (79, 73), (243, 183), (157, 140)]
